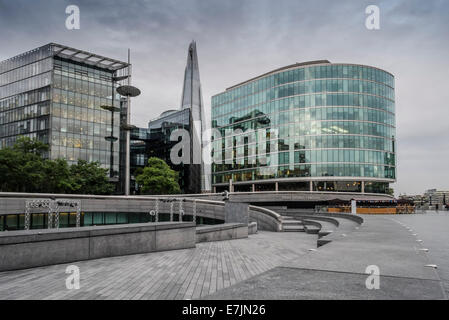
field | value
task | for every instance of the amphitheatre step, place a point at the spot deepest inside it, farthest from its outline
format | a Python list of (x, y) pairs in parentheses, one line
[(311, 229), (292, 222), (293, 228)]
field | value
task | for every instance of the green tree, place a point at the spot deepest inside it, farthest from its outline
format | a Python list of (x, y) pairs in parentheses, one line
[(58, 177), (90, 178), (21, 167), (24, 169), (158, 178)]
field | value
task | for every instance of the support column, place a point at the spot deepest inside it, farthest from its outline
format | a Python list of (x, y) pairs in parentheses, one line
[(231, 188), (276, 188), (311, 186), (253, 186), (363, 186)]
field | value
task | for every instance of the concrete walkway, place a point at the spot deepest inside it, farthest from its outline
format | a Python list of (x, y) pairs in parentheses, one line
[(337, 270), (433, 229), (178, 274), (267, 265)]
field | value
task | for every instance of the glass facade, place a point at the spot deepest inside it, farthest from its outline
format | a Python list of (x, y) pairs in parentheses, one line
[(13, 222), (55, 93), (333, 124), (155, 142), (79, 124)]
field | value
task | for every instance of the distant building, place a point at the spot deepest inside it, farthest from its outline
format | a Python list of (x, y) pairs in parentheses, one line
[(431, 199), (434, 197), (154, 141)]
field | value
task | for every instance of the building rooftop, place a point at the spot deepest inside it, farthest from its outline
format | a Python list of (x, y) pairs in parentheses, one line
[(87, 57), (66, 52), (298, 64)]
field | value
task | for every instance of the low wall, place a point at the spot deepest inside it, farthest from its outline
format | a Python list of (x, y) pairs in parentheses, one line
[(14, 203), (27, 249), (220, 232), (252, 228)]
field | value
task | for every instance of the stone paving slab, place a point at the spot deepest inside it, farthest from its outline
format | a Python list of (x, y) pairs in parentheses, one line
[(378, 241), (433, 229), (283, 283), (267, 265), (337, 270), (177, 274)]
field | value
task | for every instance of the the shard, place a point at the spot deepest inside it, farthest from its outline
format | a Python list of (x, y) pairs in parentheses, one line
[(192, 99)]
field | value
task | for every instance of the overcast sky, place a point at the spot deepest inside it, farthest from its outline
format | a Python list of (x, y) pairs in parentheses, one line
[(240, 39)]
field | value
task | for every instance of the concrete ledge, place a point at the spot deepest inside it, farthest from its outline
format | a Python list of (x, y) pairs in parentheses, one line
[(34, 248), (218, 232), (252, 228)]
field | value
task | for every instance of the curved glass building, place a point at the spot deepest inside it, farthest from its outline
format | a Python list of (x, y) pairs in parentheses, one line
[(314, 126)]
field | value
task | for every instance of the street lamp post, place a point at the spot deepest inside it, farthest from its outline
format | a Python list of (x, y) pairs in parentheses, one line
[(128, 91)]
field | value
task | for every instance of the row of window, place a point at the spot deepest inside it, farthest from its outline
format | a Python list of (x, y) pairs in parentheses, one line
[(315, 86), (308, 170), (68, 67), (24, 99), (308, 128), (306, 101), (340, 186), (305, 142), (11, 140), (25, 113), (83, 142), (27, 71), (81, 100), (242, 160), (72, 155), (24, 126), (312, 113), (305, 73), (39, 81), (84, 114), (26, 58), (99, 88), (70, 126)]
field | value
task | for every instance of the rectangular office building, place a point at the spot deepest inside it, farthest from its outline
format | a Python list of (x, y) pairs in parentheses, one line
[(58, 95)]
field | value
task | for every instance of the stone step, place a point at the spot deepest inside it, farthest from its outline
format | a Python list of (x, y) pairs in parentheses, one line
[(292, 228), (312, 229), (292, 222)]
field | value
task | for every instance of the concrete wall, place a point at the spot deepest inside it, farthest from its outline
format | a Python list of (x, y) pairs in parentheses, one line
[(14, 203), (252, 228), (220, 232), (27, 249)]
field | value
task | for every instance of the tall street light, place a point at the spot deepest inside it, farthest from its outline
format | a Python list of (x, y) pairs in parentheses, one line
[(128, 91), (112, 108)]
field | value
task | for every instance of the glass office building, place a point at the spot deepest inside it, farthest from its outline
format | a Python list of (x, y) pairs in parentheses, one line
[(314, 126), (54, 93), (155, 141)]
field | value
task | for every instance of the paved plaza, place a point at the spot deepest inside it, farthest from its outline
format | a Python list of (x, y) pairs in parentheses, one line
[(267, 265), (178, 274)]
